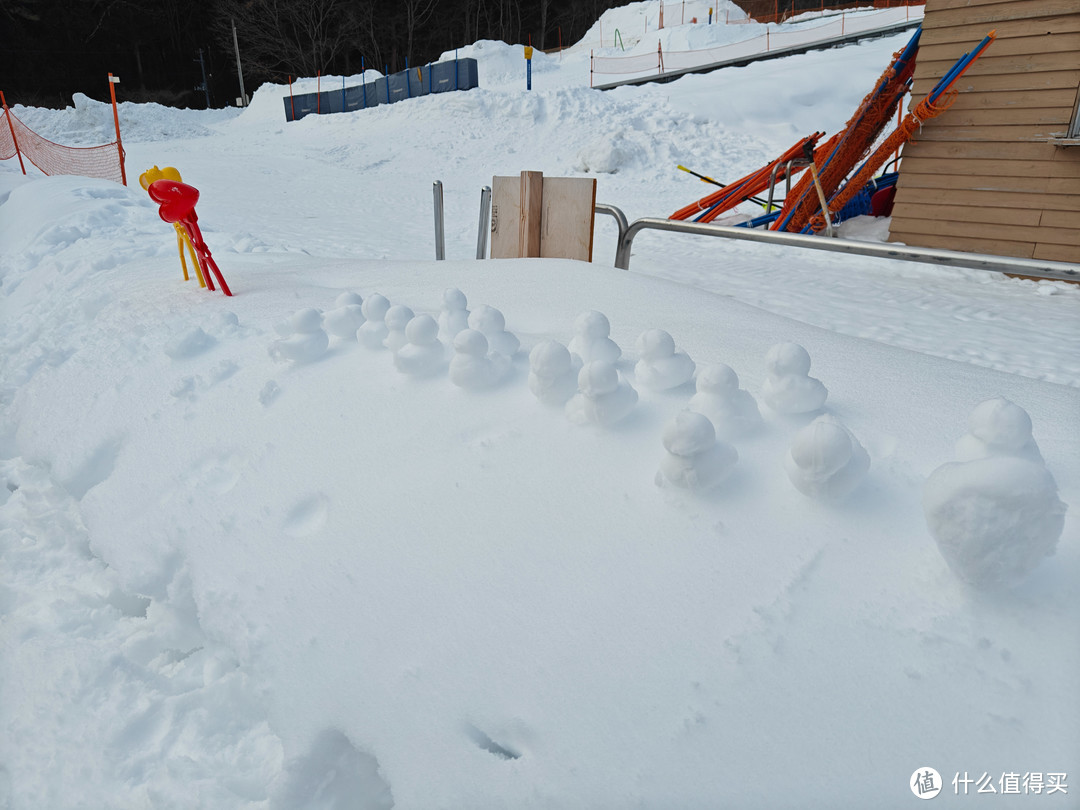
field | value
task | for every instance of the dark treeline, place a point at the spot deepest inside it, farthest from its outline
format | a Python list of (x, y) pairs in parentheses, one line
[(55, 48)]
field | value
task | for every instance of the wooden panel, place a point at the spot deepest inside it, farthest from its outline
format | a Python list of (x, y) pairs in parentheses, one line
[(956, 150), (971, 34), (919, 164), (1008, 63), (1047, 186), (1060, 219), (941, 5), (998, 247), (1004, 47), (1042, 118), (1049, 202), (1057, 253), (1063, 79), (1011, 134), (993, 99), (569, 211), (963, 213), (997, 14), (532, 196), (984, 230), (505, 217)]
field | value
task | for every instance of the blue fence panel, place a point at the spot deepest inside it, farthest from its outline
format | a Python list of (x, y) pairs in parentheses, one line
[(460, 74), (303, 104)]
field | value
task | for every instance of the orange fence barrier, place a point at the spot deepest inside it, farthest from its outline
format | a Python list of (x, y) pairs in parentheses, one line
[(776, 38), (18, 140)]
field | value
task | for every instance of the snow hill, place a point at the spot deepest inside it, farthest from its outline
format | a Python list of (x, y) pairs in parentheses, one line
[(239, 571)]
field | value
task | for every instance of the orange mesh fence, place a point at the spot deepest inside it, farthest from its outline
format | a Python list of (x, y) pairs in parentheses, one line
[(829, 28), (53, 158)]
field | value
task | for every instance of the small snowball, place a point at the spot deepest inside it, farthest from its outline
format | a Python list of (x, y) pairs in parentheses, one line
[(826, 461)]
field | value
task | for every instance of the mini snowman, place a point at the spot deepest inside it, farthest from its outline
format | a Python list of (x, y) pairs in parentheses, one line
[(492, 324), (303, 338), (695, 460), (998, 428), (396, 319), (454, 317), (473, 367), (732, 410), (373, 331), (346, 317), (603, 397), (552, 373), (826, 461), (423, 355), (995, 513), (348, 299), (661, 367), (788, 388), (591, 341)]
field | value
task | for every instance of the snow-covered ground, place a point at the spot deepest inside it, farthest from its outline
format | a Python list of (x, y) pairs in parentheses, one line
[(232, 580)]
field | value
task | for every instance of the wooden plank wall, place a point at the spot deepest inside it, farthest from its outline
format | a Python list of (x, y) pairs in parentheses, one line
[(984, 176)]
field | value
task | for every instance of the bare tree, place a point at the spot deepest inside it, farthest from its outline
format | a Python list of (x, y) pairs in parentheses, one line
[(288, 36)]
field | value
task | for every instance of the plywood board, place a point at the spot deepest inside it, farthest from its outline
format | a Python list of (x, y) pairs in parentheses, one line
[(505, 217), (532, 198), (569, 212), (516, 211)]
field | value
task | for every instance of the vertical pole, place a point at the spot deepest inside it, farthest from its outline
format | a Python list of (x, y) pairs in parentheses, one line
[(590, 67), (205, 85), (239, 72), (386, 75), (343, 94), (113, 80), (292, 101), (408, 92), (11, 128), (440, 233), (363, 80), (318, 92), (455, 69), (660, 56), (485, 228)]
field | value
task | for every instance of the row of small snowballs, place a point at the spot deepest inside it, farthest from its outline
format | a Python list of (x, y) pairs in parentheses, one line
[(583, 379), (994, 513)]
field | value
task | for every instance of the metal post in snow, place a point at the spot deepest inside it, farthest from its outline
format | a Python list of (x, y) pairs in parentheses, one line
[(239, 72), (11, 128), (440, 232), (482, 233), (292, 101), (113, 81), (363, 80)]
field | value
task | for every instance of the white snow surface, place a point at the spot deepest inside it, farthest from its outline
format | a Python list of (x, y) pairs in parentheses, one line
[(232, 582)]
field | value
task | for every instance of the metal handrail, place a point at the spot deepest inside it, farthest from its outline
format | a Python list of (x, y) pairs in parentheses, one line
[(620, 217), (1061, 271)]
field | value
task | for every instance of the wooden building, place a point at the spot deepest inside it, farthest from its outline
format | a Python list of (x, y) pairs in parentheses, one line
[(999, 171)]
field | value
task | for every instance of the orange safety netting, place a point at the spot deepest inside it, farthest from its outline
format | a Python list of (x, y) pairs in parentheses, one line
[(53, 158), (848, 147)]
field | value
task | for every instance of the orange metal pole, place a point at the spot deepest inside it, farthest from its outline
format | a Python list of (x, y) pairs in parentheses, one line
[(11, 127), (113, 81), (292, 103)]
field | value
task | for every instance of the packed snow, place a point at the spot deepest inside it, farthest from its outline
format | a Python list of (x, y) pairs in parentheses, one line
[(251, 557)]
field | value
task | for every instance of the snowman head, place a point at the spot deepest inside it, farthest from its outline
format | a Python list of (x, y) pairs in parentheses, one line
[(471, 342), (423, 330), (598, 378), (787, 358), (549, 359), (592, 325), (717, 378), (652, 344)]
